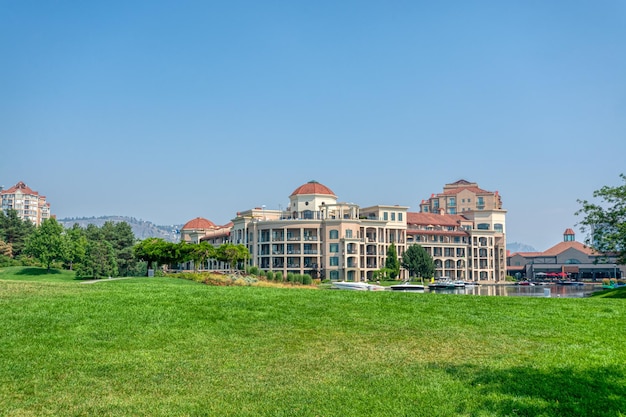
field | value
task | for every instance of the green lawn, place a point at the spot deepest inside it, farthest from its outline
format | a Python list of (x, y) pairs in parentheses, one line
[(170, 347)]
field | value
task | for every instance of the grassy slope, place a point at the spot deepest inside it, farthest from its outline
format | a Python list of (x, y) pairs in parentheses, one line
[(163, 347)]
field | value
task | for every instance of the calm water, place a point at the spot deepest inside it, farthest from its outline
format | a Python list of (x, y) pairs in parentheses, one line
[(554, 290)]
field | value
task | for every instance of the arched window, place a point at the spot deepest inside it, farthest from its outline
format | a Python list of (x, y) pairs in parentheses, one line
[(483, 226)]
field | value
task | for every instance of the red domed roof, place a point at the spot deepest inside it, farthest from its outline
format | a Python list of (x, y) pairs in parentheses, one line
[(313, 187), (199, 223)]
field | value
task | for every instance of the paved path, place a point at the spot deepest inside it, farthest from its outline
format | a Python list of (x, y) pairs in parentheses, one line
[(93, 281)]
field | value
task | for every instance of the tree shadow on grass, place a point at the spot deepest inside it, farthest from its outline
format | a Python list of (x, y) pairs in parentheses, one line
[(37, 271), (525, 391)]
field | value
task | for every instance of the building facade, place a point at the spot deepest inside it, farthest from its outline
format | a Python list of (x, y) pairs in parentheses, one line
[(568, 259), (464, 230), (28, 204), (320, 236), (460, 197)]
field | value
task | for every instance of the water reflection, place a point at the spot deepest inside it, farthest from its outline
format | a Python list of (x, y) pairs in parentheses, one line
[(552, 290)]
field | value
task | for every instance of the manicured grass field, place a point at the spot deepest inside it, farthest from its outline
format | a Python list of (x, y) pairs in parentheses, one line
[(170, 347)]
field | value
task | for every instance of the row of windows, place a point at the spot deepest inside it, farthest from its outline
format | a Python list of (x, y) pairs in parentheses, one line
[(387, 215)]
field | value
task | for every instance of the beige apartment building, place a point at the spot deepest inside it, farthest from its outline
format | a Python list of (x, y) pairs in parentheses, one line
[(320, 236), (460, 197), (28, 204), (464, 230)]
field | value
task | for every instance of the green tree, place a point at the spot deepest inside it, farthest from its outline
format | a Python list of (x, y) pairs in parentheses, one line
[(76, 244), (15, 231), (156, 251), (47, 243), (99, 261), (605, 220), (122, 238), (391, 262), (232, 254), (199, 253), (418, 262)]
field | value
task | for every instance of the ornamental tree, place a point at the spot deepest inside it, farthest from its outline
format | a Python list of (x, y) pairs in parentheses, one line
[(418, 262), (604, 221), (391, 262)]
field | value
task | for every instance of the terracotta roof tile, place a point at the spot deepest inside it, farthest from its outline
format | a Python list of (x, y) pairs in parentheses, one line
[(19, 186), (563, 246), (312, 187), (199, 223), (475, 190), (427, 219)]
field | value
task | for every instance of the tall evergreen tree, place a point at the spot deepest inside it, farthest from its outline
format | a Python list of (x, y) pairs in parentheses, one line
[(391, 262), (99, 261), (14, 230), (77, 245)]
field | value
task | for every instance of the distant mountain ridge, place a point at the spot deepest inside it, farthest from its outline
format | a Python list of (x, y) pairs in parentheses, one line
[(519, 247), (141, 229)]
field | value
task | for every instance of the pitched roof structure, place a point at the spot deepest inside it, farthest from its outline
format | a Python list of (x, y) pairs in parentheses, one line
[(199, 223), (25, 189), (313, 187), (426, 219), (473, 189), (563, 246)]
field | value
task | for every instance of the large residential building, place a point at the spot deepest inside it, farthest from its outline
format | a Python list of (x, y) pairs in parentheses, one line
[(28, 204), (464, 230), (321, 236), (460, 197)]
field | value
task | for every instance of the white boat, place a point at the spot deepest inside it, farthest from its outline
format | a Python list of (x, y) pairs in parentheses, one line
[(406, 286), (358, 286)]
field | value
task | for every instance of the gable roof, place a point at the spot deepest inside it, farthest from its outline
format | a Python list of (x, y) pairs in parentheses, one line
[(434, 219), (475, 190), (563, 246), (25, 189)]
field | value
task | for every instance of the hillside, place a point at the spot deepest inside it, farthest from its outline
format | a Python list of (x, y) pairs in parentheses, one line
[(141, 228), (519, 247)]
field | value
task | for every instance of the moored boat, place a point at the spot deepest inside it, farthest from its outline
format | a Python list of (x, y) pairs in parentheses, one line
[(358, 286), (406, 286), (442, 283)]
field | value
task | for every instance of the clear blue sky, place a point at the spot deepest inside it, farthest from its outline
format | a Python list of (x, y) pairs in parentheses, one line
[(170, 110)]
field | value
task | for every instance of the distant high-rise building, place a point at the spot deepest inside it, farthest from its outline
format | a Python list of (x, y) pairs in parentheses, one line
[(28, 204)]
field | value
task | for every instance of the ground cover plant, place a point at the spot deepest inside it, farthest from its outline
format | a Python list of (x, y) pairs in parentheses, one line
[(173, 347)]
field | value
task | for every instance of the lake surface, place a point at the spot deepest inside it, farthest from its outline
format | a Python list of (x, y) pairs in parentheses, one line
[(552, 290)]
